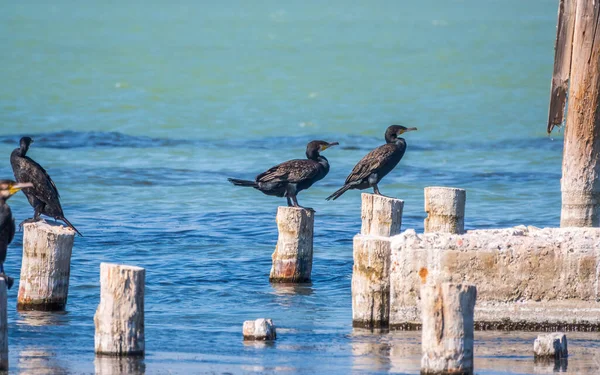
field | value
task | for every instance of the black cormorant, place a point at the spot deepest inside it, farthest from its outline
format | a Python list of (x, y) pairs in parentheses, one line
[(291, 177), (43, 196), (7, 223), (377, 163)]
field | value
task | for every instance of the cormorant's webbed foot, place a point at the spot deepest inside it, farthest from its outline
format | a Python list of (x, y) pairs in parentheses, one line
[(27, 221)]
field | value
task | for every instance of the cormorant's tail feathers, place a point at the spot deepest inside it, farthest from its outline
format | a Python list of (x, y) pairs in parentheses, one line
[(339, 192), (70, 225), (237, 182)]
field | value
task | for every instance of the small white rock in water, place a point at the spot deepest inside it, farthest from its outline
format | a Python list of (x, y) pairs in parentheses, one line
[(552, 345), (259, 329)]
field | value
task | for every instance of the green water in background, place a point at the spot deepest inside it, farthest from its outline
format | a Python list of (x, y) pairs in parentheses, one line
[(237, 87)]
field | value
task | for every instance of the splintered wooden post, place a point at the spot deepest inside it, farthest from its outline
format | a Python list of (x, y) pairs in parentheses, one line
[(445, 209), (371, 282), (44, 284), (381, 216), (580, 185), (292, 259), (119, 318), (3, 325), (447, 336)]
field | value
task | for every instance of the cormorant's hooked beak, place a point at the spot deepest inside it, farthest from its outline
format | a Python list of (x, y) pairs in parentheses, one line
[(402, 131), (14, 188), (325, 147)]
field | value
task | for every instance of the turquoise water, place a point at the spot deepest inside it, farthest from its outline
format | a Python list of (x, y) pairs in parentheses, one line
[(141, 110)]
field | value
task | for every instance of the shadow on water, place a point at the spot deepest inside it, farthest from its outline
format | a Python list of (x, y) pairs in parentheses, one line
[(40, 361)]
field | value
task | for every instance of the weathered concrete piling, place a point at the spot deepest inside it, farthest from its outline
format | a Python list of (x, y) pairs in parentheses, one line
[(259, 330), (371, 282), (3, 325), (527, 278), (292, 259), (381, 216), (445, 209), (119, 318), (552, 346), (447, 336), (46, 267)]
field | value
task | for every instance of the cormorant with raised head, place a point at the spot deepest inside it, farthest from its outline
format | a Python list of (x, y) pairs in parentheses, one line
[(377, 163), (43, 196), (291, 177), (7, 224)]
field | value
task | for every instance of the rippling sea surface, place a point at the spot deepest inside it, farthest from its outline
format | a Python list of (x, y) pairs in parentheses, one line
[(140, 111)]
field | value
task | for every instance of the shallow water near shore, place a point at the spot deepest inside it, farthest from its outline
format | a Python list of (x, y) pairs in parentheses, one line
[(141, 112)]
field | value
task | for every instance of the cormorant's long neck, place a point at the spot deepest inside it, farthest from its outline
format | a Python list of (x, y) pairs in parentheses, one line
[(324, 162), (313, 155), (22, 150), (400, 142)]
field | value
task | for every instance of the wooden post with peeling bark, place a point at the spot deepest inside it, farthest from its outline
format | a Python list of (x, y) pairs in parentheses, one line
[(46, 267), (119, 318), (381, 216), (577, 69), (292, 259), (447, 335)]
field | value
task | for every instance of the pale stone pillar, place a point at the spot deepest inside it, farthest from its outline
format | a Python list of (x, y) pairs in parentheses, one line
[(445, 209), (292, 259), (46, 266), (119, 318), (371, 282), (381, 216), (447, 337)]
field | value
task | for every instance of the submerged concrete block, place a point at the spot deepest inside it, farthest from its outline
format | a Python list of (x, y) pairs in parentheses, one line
[(527, 278), (260, 330), (552, 346)]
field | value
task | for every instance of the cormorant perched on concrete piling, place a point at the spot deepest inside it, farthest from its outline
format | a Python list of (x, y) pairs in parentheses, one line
[(7, 224), (43, 196), (291, 177), (377, 163)]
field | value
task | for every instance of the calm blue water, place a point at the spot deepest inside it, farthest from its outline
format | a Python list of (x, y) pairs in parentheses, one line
[(140, 112)]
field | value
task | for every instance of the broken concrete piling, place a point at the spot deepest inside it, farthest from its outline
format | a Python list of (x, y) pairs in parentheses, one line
[(447, 335), (371, 282), (119, 318), (292, 259), (381, 216), (445, 209), (46, 267)]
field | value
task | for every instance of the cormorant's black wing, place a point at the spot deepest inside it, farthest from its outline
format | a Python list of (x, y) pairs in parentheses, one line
[(292, 171), (371, 162), (45, 189)]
